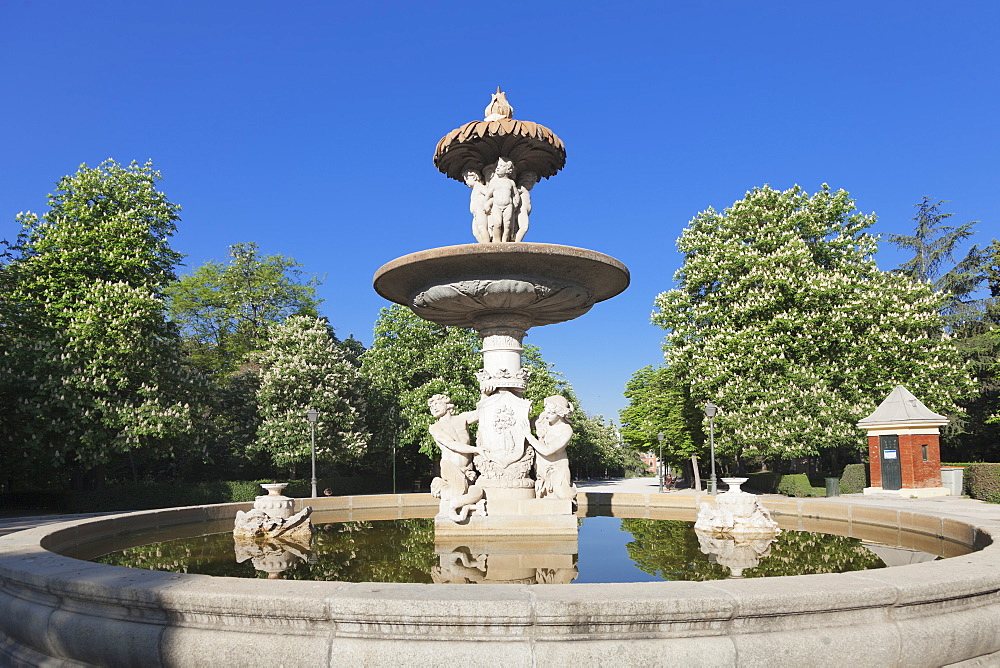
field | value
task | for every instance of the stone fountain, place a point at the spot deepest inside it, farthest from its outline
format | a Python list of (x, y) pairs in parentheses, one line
[(736, 515), (512, 481), (273, 516)]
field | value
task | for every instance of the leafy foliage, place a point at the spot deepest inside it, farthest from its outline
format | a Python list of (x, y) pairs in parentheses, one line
[(410, 361), (783, 319), (796, 484), (303, 368), (933, 245), (660, 402), (91, 368), (854, 480), (224, 310), (983, 482)]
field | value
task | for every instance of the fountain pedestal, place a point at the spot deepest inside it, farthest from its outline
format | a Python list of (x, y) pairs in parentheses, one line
[(511, 481)]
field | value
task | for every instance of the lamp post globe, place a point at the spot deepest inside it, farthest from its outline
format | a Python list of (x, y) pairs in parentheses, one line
[(312, 415)]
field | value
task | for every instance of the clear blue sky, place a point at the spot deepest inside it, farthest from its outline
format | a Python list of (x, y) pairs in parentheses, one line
[(309, 127)]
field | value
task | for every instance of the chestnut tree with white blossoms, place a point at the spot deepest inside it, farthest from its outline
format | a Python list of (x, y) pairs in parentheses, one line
[(91, 372), (303, 367), (782, 319)]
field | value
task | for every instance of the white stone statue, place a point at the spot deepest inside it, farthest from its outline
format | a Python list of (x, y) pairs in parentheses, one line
[(503, 199), (498, 107), (477, 206), (451, 433), (258, 524), (525, 183), (552, 474), (736, 514), (272, 516)]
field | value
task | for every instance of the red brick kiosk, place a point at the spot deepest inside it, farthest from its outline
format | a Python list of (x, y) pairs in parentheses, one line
[(903, 447)]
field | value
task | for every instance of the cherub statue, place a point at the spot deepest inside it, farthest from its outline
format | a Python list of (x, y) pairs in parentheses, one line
[(477, 206), (525, 183), (503, 199), (451, 433), (552, 475)]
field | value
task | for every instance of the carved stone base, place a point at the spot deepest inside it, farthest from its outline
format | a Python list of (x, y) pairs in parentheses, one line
[(508, 525), (548, 560)]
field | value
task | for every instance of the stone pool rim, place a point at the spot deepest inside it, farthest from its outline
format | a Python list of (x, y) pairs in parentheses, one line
[(934, 613)]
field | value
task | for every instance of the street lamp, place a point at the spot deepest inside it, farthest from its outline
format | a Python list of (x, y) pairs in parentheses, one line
[(312, 415), (659, 461), (711, 410)]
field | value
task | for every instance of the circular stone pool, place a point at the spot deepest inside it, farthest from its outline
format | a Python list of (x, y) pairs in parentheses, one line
[(608, 549), (932, 613)]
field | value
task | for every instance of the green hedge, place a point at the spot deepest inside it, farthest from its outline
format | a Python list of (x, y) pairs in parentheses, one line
[(854, 479), (982, 481), (796, 484), (170, 495)]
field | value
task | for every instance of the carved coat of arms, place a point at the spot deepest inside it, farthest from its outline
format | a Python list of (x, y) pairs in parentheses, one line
[(503, 427)]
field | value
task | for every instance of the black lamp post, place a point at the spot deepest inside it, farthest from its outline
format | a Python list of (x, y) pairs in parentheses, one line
[(659, 461), (312, 415), (711, 410)]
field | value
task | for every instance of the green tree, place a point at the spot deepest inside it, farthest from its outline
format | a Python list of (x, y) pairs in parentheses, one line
[(660, 402), (91, 369), (225, 311), (783, 320), (411, 360), (302, 368), (933, 245)]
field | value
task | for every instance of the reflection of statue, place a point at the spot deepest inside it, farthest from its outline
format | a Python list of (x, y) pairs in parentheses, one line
[(451, 433), (552, 475), (556, 575), (525, 183), (272, 556), (477, 206), (460, 567), (503, 199), (736, 554)]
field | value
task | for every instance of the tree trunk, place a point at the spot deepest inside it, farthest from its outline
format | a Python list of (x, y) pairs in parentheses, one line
[(694, 469)]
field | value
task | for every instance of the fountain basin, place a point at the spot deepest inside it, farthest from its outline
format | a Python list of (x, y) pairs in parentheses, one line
[(932, 613), (545, 283)]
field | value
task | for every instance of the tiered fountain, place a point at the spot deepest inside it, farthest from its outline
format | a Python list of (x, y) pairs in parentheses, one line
[(502, 286)]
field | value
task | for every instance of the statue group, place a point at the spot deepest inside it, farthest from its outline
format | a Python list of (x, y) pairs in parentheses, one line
[(500, 206), (505, 454)]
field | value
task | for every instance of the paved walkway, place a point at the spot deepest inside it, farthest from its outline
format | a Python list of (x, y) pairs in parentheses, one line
[(956, 506)]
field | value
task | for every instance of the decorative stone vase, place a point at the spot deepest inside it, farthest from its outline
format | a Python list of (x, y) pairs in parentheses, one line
[(274, 504), (734, 485)]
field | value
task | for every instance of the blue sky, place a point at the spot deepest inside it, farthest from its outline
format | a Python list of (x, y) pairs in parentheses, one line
[(309, 127)]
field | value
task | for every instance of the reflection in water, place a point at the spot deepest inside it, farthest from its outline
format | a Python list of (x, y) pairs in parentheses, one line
[(735, 553), (405, 551), (273, 556), (506, 560)]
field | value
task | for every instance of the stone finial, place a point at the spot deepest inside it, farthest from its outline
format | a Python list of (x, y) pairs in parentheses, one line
[(498, 107)]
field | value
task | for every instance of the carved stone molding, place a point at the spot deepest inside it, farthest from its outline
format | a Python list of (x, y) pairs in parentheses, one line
[(505, 302)]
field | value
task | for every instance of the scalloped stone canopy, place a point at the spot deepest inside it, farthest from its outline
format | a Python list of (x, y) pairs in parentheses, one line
[(462, 285)]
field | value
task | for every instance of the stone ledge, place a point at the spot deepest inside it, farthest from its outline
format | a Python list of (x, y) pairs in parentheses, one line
[(932, 613)]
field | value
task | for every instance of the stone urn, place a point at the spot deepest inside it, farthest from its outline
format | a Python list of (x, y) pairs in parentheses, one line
[(734, 484), (274, 503)]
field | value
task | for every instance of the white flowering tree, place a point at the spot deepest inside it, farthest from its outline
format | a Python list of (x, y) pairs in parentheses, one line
[(303, 367), (783, 320), (90, 367)]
